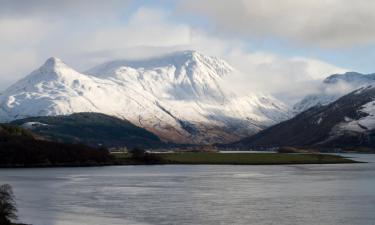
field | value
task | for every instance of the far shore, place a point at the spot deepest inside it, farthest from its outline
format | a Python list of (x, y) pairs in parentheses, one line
[(205, 158)]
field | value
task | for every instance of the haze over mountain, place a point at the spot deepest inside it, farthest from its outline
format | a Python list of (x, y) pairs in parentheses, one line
[(334, 87), (179, 97)]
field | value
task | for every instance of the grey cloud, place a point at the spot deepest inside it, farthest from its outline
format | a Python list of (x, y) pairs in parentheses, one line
[(24, 8), (329, 24)]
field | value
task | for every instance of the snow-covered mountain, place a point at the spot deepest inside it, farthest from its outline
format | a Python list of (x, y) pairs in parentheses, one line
[(334, 87), (180, 97)]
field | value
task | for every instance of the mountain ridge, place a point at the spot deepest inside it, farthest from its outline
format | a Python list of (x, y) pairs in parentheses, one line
[(344, 123)]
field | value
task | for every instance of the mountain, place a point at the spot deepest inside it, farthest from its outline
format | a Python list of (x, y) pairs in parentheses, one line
[(350, 77), (346, 122), (334, 87), (180, 97), (91, 129)]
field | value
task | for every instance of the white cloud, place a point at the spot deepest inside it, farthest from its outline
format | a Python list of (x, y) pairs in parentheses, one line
[(287, 78), (324, 23)]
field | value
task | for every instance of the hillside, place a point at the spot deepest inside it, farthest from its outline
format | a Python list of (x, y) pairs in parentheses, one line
[(92, 129)]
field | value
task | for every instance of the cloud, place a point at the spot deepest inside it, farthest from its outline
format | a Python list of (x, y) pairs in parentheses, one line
[(288, 78), (66, 8), (31, 31), (146, 27), (323, 23), (19, 41), (33, 34)]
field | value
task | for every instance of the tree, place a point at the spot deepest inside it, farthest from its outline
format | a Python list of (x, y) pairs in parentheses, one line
[(144, 157), (320, 158), (8, 210), (138, 153)]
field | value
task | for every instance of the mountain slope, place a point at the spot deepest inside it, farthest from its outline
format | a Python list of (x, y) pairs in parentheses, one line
[(179, 97), (347, 122), (334, 87), (91, 129)]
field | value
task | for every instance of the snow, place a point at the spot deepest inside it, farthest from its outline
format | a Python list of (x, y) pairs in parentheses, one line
[(314, 100), (363, 89), (178, 97), (353, 126), (362, 125), (369, 120), (31, 125), (320, 119)]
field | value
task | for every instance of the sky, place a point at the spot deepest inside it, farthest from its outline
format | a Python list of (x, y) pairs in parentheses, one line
[(281, 47)]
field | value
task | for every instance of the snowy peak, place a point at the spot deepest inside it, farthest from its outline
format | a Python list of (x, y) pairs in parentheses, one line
[(52, 72), (182, 59), (53, 63), (55, 66), (184, 75)]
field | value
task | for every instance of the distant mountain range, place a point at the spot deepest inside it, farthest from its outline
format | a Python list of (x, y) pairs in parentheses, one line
[(178, 97)]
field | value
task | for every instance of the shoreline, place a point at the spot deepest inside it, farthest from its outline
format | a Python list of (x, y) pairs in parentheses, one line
[(203, 158)]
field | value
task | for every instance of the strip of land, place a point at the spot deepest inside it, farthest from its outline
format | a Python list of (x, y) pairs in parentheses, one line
[(21, 148), (196, 158)]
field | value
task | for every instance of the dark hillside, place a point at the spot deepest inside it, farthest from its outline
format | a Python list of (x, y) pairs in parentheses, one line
[(93, 129), (19, 147)]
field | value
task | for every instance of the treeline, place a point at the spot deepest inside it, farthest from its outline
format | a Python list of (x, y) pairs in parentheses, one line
[(20, 148)]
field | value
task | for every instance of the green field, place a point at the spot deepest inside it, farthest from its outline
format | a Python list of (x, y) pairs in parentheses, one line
[(236, 158)]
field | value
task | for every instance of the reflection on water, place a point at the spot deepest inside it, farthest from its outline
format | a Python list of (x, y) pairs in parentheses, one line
[(177, 194)]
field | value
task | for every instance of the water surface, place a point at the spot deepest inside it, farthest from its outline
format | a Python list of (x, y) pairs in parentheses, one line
[(183, 194)]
